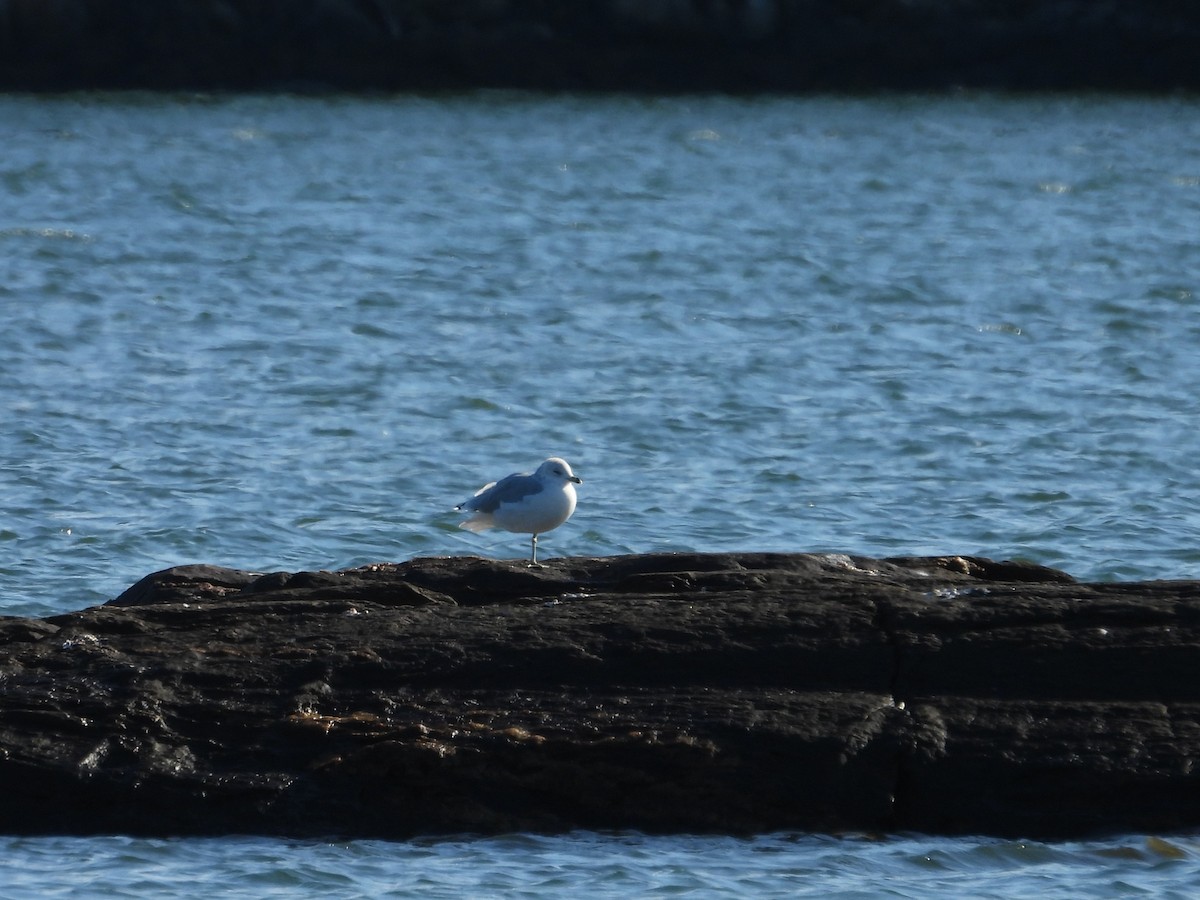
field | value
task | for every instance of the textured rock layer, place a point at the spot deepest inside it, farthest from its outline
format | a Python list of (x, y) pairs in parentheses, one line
[(735, 693)]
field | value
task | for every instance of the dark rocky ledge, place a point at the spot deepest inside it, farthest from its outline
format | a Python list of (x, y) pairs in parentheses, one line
[(731, 693), (644, 45)]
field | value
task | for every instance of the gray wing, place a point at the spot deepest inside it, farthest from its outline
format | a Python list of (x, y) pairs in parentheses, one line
[(509, 489)]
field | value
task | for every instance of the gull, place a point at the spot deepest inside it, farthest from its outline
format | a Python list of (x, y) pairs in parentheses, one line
[(526, 503)]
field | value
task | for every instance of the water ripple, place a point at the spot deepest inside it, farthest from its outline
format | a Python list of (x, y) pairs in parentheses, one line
[(602, 865), (291, 332)]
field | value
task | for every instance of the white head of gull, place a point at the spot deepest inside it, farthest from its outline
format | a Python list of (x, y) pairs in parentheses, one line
[(528, 503)]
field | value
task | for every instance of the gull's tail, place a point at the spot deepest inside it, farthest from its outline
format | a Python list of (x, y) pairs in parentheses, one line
[(477, 522)]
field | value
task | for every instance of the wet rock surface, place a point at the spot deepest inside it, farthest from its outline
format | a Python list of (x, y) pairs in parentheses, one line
[(677, 692), (649, 45)]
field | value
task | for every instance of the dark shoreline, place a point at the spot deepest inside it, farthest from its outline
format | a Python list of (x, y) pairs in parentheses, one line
[(672, 693), (737, 46)]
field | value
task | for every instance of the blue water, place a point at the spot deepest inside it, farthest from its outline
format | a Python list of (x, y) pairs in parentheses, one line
[(600, 865), (287, 333)]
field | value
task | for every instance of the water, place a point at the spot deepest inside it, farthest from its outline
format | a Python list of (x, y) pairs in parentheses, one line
[(287, 333), (599, 865)]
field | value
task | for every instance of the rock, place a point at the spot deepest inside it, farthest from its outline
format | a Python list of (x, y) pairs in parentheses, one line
[(666, 692), (631, 45)]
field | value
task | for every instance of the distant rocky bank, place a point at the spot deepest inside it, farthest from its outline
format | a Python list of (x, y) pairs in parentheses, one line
[(646, 45), (734, 693)]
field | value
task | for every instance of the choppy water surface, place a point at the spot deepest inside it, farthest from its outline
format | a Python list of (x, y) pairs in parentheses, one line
[(291, 333), (600, 865), (284, 333)]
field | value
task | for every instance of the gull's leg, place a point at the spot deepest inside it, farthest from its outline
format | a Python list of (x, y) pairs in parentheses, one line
[(533, 552)]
